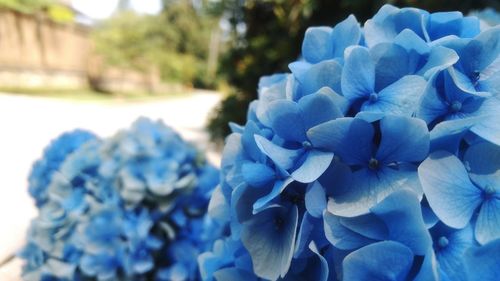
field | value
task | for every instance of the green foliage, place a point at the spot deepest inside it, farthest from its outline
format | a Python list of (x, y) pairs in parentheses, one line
[(175, 42), (57, 12), (25, 6), (274, 32), (60, 13)]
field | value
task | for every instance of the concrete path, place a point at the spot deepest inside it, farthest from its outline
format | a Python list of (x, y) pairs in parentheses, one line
[(28, 124)]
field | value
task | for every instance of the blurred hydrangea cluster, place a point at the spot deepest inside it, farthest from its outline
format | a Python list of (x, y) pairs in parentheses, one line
[(376, 158), (131, 207), (53, 156)]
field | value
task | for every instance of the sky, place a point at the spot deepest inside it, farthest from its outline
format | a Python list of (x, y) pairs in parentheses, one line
[(101, 9)]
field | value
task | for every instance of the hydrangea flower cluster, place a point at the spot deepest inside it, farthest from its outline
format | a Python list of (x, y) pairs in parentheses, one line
[(376, 158), (53, 156), (131, 207)]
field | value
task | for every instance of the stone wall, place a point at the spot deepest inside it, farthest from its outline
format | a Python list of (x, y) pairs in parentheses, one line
[(38, 53)]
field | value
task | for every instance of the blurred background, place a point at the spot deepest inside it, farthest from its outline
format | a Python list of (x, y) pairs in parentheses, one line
[(100, 64)]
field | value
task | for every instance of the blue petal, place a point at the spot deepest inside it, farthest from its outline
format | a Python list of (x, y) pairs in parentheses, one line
[(370, 116), (428, 215), (314, 267), (268, 94), (318, 108), (368, 225), (391, 64), (299, 68), (311, 229), (471, 26), (242, 200), (399, 98), (269, 237), (402, 214), (432, 106), (428, 270), (439, 59), (312, 168), (271, 80), (482, 262), (442, 24), (411, 42), (413, 19), (232, 151), (448, 134), (450, 256), (459, 87), (235, 128), (324, 74), (489, 127), (340, 101), (304, 236), (233, 273), (342, 237), (349, 138), (315, 199), (282, 157), (450, 193), (59, 269), (336, 177), (278, 187), (358, 75), (404, 139), (482, 50), (248, 140), (286, 120), (483, 163), (375, 32), (324, 268), (346, 33), (218, 207), (386, 260), (488, 220), (369, 188), (460, 82), (317, 45), (489, 80), (256, 174)]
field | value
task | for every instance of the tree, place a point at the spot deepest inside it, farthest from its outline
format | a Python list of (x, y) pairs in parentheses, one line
[(174, 41)]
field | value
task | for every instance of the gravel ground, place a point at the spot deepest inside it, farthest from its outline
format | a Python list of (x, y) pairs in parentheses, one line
[(27, 125)]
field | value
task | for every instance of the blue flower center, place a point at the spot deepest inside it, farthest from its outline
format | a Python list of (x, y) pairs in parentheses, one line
[(279, 222), (373, 97), (443, 242), (488, 192), (373, 164), (307, 144), (456, 106)]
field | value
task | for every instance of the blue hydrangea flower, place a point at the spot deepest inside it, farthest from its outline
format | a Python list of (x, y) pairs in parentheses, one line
[(335, 174), (389, 21), (450, 246), (358, 85), (488, 15), (481, 263), (455, 194), (53, 156), (131, 207), (227, 260), (382, 160), (386, 260)]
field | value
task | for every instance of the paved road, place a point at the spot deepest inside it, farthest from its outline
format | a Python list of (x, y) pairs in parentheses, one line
[(28, 124)]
